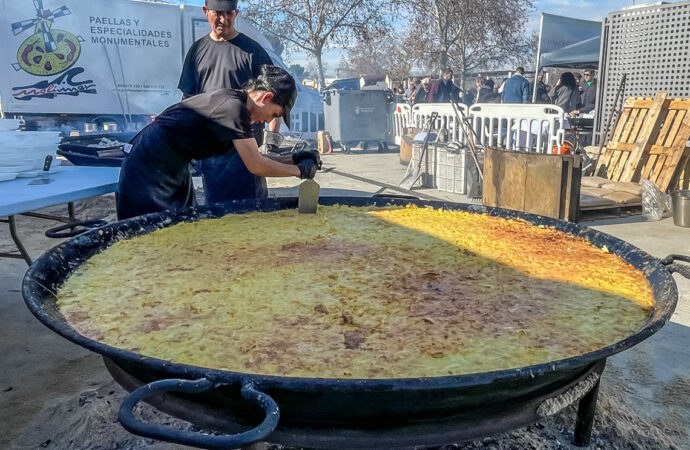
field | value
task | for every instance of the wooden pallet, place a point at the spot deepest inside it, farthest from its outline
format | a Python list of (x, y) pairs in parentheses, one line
[(666, 158), (636, 129), (684, 177)]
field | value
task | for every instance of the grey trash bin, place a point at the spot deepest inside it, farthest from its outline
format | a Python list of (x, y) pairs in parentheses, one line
[(681, 208), (357, 116)]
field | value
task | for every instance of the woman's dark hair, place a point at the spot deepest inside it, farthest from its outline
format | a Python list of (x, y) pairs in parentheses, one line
[(568, 79), (273, 79), (279, 82), (489, 83)]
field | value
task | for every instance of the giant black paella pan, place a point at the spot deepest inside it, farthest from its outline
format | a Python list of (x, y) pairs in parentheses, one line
[(341, 413)]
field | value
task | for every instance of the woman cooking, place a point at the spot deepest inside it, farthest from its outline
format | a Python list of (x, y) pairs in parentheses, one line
[(155, 176)]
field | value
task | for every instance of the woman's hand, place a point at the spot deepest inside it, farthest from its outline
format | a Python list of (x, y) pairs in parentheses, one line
[(301, 155), (308, 168)]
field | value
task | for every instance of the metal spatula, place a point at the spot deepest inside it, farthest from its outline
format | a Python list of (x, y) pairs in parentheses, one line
[(413, 173), (308, 197), (44, 178)]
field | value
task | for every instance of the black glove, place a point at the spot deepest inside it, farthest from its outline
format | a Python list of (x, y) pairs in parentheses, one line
[(301, 155), (307, 169)]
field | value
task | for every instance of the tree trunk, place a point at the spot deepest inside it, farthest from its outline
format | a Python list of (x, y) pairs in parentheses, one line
[(443, 60), (463, 75), (318, 54)]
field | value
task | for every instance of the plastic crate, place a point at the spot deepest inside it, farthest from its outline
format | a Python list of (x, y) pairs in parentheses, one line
[(449, 173)]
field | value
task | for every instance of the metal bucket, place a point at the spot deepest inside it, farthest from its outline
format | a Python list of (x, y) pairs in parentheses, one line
[(681, 208)]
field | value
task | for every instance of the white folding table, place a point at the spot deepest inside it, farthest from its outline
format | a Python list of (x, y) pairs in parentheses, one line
[(18, 197)]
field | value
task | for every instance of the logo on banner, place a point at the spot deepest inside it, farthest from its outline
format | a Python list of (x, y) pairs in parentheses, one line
[(48, 53)]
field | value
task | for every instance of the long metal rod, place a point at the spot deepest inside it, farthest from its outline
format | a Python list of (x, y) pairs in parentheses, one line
[(17, 241), (469, 136), (23, 254), (383, 185), (124, 86), (621, 88), (70, 212), (117, 91), (536, 74), (47, 217)]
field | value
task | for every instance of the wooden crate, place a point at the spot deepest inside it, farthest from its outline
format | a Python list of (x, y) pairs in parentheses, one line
[(406, 144), (548, 185)]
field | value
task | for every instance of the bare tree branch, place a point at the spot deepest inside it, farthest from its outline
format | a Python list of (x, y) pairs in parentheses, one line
[(314, 25), (471, 34)]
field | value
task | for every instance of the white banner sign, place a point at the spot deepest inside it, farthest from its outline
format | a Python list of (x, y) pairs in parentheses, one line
[(87, 57)]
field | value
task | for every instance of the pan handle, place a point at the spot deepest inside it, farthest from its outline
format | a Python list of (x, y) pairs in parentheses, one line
[(74, 229), (671, 264), (249, 393)]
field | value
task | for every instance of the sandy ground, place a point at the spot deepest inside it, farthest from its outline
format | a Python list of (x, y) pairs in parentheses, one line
[(56, 395)]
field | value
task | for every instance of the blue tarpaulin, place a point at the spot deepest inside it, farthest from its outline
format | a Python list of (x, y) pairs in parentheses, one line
[(568, 42), (581, 55)]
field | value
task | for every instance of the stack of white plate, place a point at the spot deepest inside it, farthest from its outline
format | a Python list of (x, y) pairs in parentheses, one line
[(22, 153), (9, 124)]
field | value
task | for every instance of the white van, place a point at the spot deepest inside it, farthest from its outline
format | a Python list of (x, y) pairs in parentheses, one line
[(107, 65)]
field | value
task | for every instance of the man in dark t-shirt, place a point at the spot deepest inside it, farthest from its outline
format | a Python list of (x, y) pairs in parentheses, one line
[(225, 59), (212, 65)]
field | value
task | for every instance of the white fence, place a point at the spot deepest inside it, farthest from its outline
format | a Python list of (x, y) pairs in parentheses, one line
[(402, 117), (512, 126), (518, 126), (446, 120)]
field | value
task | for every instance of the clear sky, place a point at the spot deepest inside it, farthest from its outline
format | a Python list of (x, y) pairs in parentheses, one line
[(580, 9)]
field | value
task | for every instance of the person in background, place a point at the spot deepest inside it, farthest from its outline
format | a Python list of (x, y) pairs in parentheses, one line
[(566, 95), (516, 88), (478, 82), (578, 80), (498, 88), (589, 94), (422, 93), (470, 96), (155, 175), (226, 59), (487, 94), (443, 89), (542, 93), (411, 90), (398, 93)]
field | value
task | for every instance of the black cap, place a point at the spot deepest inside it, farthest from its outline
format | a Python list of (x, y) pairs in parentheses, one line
[(281, 84), (221, 5)]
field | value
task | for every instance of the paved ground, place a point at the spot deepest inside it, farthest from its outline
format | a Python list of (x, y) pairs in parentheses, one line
[(55, 395)]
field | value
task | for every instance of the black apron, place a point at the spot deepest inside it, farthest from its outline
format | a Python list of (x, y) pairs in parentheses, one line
[(154, 177), (227, 178)]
